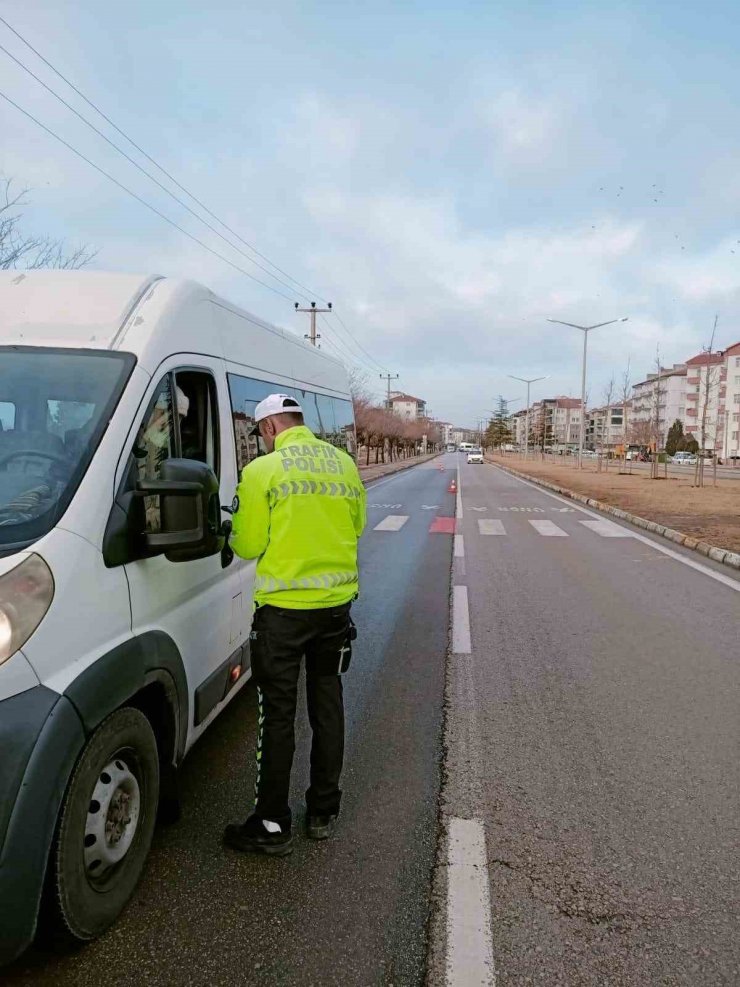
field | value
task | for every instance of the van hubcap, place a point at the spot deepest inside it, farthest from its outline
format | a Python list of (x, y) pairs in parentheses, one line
[(112, 818)]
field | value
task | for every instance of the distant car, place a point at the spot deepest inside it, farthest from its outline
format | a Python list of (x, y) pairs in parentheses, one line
[(475, 456), (684, 459)]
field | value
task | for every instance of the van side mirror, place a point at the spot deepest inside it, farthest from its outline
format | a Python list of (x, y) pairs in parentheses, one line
[(190, 510)]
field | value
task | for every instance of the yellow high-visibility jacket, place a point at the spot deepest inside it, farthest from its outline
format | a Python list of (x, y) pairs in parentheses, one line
[(300, 511)]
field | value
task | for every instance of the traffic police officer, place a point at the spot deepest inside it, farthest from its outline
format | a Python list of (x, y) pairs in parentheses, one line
[(299, 511)]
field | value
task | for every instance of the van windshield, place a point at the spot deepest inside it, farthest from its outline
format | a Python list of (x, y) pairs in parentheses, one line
[(54, 407)]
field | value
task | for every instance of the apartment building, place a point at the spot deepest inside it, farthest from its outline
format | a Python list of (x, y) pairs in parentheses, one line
[(518, 428), (408, 407), (706, 393), (658, 401), (730, 431), (459, 435), (605, 427), (446, 429), (556, 423)]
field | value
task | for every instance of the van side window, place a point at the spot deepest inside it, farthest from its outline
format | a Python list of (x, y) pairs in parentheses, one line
[(246, 393), (181, 422), (329, 418)]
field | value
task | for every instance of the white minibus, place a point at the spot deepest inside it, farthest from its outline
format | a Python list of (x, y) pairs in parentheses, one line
[(126, 412)]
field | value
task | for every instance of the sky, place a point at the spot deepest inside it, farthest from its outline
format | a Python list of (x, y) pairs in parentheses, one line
[(449, 176)]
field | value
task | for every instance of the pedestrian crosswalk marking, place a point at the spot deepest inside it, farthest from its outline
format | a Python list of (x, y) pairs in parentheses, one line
[(549, 529), (491, 526), (394, 522), (607, 529)]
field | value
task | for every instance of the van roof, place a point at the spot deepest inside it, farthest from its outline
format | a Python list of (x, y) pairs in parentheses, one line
[(150, 316), (66, 308)]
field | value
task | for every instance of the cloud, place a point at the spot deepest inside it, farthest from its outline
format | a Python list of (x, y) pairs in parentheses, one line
[(711, 276), (523, 127)]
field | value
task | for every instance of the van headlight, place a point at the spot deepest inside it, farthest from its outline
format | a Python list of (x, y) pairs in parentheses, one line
[(26, 593)]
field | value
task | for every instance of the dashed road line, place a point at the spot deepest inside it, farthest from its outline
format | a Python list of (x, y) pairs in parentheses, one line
[(607, 529), (460, 621), (469, 942), (549, 529), (394, 522), (459, 547), (491, 526)]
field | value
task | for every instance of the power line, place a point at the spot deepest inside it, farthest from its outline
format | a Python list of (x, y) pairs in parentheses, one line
[(143, 170), (143, 202), (148, 157), (357, 343), (164, 171), (360, 363)]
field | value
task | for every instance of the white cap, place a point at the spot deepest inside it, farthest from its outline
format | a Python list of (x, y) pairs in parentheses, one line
[(276, 404)]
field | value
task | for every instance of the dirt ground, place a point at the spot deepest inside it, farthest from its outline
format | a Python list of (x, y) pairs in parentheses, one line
[(710, 514)]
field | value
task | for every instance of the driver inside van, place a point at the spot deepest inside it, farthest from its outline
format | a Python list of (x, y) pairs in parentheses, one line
[(153, 446)]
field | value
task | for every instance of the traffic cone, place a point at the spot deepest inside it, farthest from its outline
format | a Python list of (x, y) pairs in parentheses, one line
[(452, 487)]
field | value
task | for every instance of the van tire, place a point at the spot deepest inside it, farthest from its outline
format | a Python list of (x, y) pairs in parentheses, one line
[(110, 803)]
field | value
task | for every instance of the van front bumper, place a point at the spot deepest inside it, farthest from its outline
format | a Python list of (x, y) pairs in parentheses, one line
[(40, 738)]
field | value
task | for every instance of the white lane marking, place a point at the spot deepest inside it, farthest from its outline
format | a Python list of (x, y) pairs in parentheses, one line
[(469, 942), (705, 570), (459, 547), (394, 522), (607, 529), (460, 621), (458, 502), (491, 526), (549, 529)]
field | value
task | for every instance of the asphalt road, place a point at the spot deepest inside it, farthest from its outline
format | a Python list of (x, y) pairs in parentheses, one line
[(594, 730), (350, 911)]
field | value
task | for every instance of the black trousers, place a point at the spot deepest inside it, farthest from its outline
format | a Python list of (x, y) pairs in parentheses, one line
[(279, 640)]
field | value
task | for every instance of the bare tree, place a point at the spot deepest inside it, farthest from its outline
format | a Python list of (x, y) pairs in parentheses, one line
[(710, 379), (20, 250), (606, 428), (656, 435), (626, 395)]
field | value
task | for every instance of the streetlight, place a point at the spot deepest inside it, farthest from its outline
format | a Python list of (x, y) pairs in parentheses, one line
[(585, 330), (527, 381)]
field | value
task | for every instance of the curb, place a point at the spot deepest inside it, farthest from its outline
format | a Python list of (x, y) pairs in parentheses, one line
[(723, 555), (401, 467)]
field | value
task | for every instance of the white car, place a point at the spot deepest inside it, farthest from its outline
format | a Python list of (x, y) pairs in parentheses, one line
[(475, 456), (684, 459)]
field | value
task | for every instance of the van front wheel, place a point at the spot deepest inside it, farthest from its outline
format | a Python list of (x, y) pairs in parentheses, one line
[(105, 826)]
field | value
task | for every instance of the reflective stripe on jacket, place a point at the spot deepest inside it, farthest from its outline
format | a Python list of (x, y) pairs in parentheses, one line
[(300, 512)]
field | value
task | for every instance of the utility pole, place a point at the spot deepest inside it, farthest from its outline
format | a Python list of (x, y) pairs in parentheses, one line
[(527, 381), (388, 378), (312, 312), (585, 330)]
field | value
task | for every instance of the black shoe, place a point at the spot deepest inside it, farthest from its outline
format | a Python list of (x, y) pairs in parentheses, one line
[(320, 827), (254, 836)]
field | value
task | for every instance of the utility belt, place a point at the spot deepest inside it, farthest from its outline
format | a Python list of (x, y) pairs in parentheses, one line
[(326, 634)]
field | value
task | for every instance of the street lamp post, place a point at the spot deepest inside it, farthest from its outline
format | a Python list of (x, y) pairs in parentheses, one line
[(585, 330), (527, 381)]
